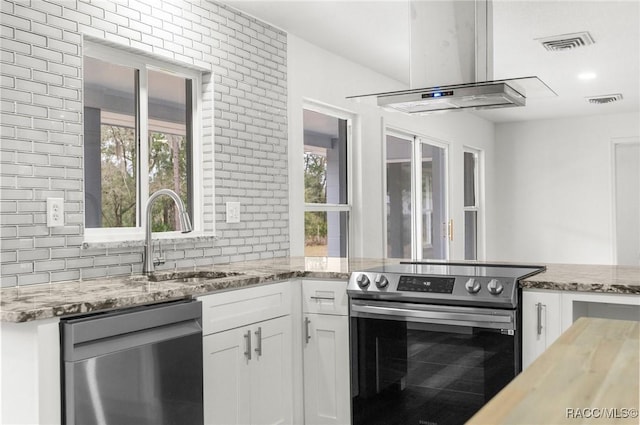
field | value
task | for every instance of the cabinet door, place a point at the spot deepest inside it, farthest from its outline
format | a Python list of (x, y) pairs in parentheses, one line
[(327, 397), (541, 323), (226, 381), (271, 372)]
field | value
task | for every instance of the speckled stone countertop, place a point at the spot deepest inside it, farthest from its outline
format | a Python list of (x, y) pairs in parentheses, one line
[(33, 302), (587, 278)]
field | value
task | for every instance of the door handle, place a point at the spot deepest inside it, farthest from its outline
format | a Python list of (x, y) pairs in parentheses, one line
[(307, 334), (247, 344), (258, 349)]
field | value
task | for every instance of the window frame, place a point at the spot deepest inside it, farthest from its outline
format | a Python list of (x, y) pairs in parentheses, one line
[(417, 141), (327, 207), (478, 206), (144, 64)]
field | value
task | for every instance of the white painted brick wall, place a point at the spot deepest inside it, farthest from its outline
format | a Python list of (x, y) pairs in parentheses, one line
[(41, 130)]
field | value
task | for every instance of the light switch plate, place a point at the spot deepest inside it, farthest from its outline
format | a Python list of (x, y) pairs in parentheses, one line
[(55, 212), (233, 212)]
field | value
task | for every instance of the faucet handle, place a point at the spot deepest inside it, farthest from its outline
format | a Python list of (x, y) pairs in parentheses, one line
[(160, 258)]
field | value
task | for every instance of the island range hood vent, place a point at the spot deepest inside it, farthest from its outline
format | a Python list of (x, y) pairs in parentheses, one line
[(451, 62), (453, 98)]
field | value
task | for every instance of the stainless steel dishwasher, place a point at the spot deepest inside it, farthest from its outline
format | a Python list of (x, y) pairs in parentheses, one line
[(137, 366)]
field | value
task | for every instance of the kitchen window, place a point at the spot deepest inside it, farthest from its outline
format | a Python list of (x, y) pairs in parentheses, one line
[(140, 120), (416, 209), (326, 195), (472, 207)]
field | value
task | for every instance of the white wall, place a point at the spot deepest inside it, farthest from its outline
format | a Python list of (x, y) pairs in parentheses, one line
[(317, 75), (553, 189)]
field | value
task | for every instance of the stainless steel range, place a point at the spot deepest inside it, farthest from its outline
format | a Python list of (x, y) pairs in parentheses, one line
[(432, 342)]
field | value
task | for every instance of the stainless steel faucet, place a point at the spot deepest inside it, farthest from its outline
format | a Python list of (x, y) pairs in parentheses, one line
[(185, 225)]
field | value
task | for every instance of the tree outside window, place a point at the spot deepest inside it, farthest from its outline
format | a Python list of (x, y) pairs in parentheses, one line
[(114, 172)]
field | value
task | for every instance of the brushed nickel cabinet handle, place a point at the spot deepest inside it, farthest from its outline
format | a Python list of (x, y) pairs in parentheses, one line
[(247, 342), (258, 349), (539, 311), (307, 335), (322, 298)]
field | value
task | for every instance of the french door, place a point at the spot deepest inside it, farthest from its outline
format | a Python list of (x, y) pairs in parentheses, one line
[(416, 207)]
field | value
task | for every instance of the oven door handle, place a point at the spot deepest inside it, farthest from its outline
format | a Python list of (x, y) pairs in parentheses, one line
[(437, 315)]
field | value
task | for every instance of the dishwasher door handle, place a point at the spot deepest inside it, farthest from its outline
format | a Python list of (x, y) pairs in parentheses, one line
[(135, 339), (93, 336)]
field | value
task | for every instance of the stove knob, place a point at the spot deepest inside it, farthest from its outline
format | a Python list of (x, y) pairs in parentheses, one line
[(381, 281), (472, 285), (362, 281), (495, 287)]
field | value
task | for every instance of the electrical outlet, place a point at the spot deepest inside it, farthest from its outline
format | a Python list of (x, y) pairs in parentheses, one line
[(233, 212), (55, 212)]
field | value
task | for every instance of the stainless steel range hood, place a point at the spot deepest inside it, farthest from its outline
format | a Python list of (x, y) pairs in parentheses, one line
[(447, 98), (451, 44)]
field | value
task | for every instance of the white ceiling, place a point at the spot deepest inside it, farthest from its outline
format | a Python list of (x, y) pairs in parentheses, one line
[(375, 33)]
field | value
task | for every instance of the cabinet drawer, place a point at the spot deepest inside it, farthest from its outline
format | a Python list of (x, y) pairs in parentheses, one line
[(232, 309), (325, 297)]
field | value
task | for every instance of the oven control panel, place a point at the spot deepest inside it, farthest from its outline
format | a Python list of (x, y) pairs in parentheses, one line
[(435, 284), (464, 290), (443, 282)]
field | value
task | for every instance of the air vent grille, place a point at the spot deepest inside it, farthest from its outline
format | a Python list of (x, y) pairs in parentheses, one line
[(607, 98), (558, 43)]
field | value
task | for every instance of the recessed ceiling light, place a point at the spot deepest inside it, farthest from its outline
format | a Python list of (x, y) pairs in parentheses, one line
[(587, 76)]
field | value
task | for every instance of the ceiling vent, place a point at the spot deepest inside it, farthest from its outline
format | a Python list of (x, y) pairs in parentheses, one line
[(607, 98), (558, 43)]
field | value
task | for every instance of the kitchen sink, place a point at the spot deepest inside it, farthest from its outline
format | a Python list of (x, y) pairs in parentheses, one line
[(193, 276)]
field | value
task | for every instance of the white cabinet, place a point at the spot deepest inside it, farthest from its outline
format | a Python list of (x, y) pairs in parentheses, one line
[(595, 304), (247, 374), (248, 368), (30, 365), (327, 398), (541, 322), (546, 314)]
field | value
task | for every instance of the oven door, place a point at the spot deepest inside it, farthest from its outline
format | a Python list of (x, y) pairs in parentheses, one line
[(417, 364)]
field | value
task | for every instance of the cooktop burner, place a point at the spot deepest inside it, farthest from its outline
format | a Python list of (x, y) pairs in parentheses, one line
[(479, 284)]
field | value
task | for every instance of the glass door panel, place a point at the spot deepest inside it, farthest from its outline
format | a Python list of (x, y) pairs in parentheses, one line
[(433, 216), (415, 199), (399, 198)]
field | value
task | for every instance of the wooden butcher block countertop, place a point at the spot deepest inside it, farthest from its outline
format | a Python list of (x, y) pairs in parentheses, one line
[(590, 375)]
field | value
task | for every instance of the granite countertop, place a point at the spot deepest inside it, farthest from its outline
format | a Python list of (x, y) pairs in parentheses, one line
[(587, 278), (590, 374), (43, 301)]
